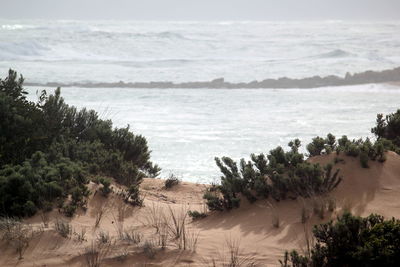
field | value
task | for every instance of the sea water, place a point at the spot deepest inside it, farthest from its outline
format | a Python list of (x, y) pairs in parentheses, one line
[(113, 51), (187, 128)]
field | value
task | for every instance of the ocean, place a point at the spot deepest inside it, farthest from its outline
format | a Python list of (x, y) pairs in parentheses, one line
[(113, 51), (187, 128)]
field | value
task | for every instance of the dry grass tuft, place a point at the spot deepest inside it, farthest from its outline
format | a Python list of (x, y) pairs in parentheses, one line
[(16, 234), (131, 236), (96, 253), (176, 221), (81, 236), (191, 239), (63, 228), (233, 257), (103, 237), (155, 217), (99, 214)]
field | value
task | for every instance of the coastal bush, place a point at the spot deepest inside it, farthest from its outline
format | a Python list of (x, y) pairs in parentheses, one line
[(279, 175), (352, 241), (48, 150), (171, 181), (33, 184), (195, 215), (321, 145), (388, 127), (316, 146), (106, 189), (213, 201), (364, 149), (69, 209)]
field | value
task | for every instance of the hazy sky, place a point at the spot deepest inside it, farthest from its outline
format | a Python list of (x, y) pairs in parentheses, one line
[(202, 9)]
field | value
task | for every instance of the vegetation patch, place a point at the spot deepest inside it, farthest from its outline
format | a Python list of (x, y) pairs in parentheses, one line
[(171, 181), (278, 175), (195, 215), (48, 151), (351, 241)]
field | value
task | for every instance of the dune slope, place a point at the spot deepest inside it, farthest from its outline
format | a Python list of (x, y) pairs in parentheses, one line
[(251, 229)]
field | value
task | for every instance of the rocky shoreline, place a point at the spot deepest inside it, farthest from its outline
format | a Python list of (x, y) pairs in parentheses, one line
[(385, 76)]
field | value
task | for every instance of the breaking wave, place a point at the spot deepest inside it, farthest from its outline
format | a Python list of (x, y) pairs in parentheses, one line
[(337, 53), (19, 50)]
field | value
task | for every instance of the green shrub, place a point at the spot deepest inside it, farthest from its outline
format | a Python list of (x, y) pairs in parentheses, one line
[(330, 142), (342, 142), (69, 209), (29, 208), (282, 175), (48, 149), (195, 215), (132, 195), (388, 128), (294, 259), (316, 146), (105, 189), (352, 149), (352, 241), (171, 181), (279, 175), (365, 149), (213, 201)]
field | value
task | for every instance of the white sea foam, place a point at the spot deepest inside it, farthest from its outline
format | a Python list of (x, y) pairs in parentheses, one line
[(112, 51)]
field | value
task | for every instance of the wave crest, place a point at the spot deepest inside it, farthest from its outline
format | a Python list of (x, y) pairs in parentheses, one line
[(18, 50), (337, 53)]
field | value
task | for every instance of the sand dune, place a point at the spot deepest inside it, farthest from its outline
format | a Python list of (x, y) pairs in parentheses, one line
[(363, 191)]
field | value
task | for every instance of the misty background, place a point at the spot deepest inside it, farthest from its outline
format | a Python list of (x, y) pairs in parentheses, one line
[(202, 10)]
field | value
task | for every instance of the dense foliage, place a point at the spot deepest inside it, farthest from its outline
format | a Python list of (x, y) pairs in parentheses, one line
[(387, 133), (282, 175), (49, 149), (388, 128), (279, 175), (352, 241), (364, 149)]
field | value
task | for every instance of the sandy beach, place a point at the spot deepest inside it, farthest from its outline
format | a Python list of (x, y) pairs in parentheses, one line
[(249, 229)]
